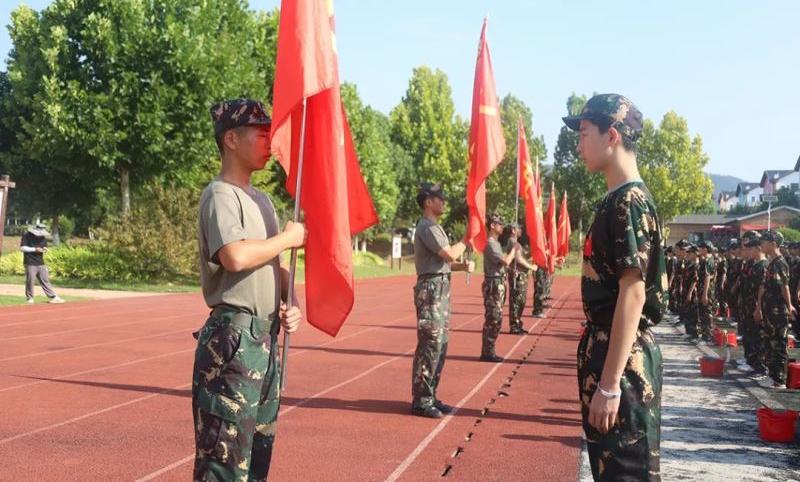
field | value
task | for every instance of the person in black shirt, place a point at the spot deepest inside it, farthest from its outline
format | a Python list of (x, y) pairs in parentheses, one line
[(33, 246)]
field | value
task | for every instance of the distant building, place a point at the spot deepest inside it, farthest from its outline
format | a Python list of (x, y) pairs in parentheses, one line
[(773, 181), (722, 227), (748, 194), (726, 200)]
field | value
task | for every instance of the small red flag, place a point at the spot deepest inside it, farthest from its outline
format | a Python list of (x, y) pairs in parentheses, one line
[(550, 230), (486, 143), (534, 224), (564, 228), (334, 195)]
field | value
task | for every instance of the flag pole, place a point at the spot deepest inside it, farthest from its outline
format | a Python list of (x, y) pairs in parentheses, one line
[(293, 263), (516, 194)]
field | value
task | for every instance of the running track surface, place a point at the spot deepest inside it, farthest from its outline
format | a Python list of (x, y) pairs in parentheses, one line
[(102, 391)]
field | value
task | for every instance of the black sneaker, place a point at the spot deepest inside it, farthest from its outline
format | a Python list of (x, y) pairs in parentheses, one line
[(491, 358), (538, 314), (428, 412), (443, 407), (518, 331)]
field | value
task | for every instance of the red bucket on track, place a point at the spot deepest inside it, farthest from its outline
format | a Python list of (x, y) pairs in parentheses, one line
[(732, 339), (793, 375), (719, 338), (776, 426), (712, 367)]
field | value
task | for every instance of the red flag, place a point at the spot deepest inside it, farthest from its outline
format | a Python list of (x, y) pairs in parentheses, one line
[(550, 230), (534, 224), (486, 143), (564, 229), (334, 196)]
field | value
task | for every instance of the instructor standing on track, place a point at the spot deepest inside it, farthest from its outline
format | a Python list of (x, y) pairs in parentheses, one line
[(235, 395), (434, 259), (623, 286)]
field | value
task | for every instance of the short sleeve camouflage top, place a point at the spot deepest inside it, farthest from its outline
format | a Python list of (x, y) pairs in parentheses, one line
[(625, 233), (776, 278)]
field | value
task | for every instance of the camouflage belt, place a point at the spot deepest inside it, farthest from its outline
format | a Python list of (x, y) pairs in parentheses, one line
[(423, 277), (223, 315)]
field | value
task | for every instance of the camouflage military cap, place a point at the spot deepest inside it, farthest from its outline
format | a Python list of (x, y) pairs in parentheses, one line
[(772, 236), (752, 234), (706, 244), (427, 190), (234, 113), (692, 248), (624, 116), (751, 242), (733, 243)]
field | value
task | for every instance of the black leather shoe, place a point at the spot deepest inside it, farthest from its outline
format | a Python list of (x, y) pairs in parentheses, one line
[(443, 407), (428, 412), (491, 358), (518, 331), (538, 314)]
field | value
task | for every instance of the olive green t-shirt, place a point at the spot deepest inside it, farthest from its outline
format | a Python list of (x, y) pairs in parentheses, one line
[(429, 239), (229, 213), (493, 259)]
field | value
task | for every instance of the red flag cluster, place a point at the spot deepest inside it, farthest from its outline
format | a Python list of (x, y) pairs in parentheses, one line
[(334, 196)]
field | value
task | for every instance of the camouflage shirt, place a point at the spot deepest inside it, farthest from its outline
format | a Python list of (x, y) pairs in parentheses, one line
[(625, 233), (706, 271), (754, 282), (776, 278)]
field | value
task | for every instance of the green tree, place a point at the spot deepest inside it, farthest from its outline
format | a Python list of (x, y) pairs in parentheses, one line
[(125, 85), (671, 163), (371, 136), (426, 126), (569, 173), (501, 184)]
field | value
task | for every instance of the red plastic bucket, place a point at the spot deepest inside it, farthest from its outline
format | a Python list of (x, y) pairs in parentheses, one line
[(776, 426), (793, 375), (711, 367), (790, 344), (731, 339), (719, 338)]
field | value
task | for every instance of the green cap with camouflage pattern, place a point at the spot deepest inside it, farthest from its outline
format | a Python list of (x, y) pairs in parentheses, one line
[(233, 113), (624, 116)]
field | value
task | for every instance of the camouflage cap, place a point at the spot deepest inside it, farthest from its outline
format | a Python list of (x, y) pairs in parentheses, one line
[(733, 243), (706, 244), (692, 248), (426, 190), (772, 236), (751, 234), (752, 242), (624, 116), (493, 218), (234, 113)]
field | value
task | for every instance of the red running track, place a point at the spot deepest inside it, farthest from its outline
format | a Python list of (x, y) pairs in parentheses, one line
[(101, 391)]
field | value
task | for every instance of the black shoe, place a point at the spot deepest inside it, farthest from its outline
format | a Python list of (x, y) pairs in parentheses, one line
[(428, 412), (518, 331), (491, 358), (538, 314), (443, 407)]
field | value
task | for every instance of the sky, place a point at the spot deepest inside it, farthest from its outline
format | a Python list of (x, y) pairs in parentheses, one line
[(731, 68)]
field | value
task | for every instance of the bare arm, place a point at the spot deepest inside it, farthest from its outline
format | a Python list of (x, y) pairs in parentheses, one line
[(520, 260), (757, 313), (253, 253), (452, 253)]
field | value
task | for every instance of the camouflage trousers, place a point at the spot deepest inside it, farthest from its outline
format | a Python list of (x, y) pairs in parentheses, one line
[(235, 397), (672, 304), (704, 314), (752, 339), (691, 320), (432, 303), (517, 296), (630, 451), (494, 296), (538, 291), (776, 330)]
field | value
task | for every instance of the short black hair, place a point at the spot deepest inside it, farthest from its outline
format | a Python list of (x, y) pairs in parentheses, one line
[(604, 124)]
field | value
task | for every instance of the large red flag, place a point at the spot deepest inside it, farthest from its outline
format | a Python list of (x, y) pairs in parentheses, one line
[(333, 195), (486, 143), (564, 229), (550, 230), (528, 191)]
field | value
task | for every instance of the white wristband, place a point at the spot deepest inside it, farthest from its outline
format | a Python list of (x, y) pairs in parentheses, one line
[(609, 395)]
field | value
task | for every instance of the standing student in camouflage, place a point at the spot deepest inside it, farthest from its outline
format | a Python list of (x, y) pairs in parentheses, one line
[(720, 286), (734, 272), (776, 308), (705, 287), (235, 395), (752, 332), (691, 300), (624, 288), (495, 262), (434, 259), (518, 274), (538, 291)]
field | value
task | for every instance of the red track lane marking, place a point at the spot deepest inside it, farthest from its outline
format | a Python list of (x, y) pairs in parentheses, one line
[(79, 317), (90, 328), (433, 433), (94, 345), (81, 305), (304, 401)]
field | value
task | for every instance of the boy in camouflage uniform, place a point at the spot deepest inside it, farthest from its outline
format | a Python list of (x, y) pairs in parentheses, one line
[(434, 259), (719, 288), (752, 332), (235, 396), (690, 298), (518, 274), (538, 291), (705, 288), (495, 262), (624, 288), (776, 308)]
